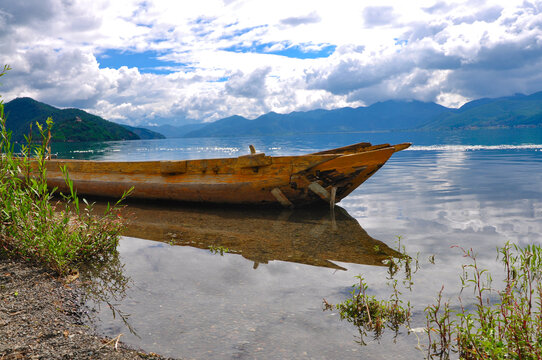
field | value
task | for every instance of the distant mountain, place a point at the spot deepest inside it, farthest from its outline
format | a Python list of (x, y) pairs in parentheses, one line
[(143, 133), (69, 124), (171, 131), (77, 125), (505, 112), (389, 115)]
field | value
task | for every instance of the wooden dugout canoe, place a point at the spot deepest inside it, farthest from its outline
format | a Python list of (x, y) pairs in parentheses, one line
[(318, 178)]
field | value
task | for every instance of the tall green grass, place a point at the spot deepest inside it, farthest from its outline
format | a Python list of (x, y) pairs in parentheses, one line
[(58, 235)]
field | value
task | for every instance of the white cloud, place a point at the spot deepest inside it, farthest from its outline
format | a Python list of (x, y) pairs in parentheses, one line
[(249, 86), (448, 52), (379, 16), (313, 17)]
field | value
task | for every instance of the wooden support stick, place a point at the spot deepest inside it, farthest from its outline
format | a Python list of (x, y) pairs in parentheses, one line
[(281, 198), (320, 191), (333, 196)]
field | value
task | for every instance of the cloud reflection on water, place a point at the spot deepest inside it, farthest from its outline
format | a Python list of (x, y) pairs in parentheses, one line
[(188, 302)]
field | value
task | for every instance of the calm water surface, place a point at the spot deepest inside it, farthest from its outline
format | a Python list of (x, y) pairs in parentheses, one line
[(264, 299)]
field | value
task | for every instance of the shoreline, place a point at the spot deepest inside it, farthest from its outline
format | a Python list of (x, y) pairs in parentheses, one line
[(41, 317)]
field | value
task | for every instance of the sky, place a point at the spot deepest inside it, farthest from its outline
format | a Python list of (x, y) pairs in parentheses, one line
[(175, 62)]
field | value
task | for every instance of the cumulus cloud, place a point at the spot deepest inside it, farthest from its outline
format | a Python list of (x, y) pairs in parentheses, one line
[(249, 86), (507, 55), (486, 15), (352, 74), (25, 13), (220, 58)]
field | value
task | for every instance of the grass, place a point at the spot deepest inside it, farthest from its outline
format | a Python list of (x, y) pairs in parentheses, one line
[(505, 323), (59, 236), (498, 322)]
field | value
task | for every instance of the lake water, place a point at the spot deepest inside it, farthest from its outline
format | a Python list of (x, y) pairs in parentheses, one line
[(263, 299)]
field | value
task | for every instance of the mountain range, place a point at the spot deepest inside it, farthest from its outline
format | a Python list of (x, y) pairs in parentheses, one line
[(77, 125), (70, 125), (505, 112), (389, 115)]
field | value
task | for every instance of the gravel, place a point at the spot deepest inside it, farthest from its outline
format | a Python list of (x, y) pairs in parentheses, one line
[(42, 318)]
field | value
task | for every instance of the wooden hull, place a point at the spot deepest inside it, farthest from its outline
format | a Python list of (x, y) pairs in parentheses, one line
[(325, 177)]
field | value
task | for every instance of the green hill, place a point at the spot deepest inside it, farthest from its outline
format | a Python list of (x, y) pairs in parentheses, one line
[(506, 112), (70, 125)]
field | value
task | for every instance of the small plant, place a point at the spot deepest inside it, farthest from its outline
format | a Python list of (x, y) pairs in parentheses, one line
[(31, 227), (218, 250), (368, 313), (410, 265), (505, 323), (440, 322)]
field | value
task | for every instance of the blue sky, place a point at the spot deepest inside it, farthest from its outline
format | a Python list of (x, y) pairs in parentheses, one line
[(154, 61), (291, 51), (146, 61)]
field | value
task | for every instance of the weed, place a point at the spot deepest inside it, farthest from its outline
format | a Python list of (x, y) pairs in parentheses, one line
[(509, 327), (503, 323), (32, 228), (368, 313), (218, 250)]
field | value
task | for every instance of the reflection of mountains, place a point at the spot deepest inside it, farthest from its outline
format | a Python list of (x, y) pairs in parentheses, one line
[(314, 237)]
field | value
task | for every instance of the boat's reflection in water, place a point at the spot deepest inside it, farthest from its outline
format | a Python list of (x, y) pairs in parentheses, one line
[(183, 300), (316, 236)]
